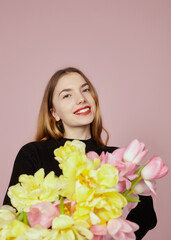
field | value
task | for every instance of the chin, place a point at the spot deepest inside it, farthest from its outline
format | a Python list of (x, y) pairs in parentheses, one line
[(85, 123)]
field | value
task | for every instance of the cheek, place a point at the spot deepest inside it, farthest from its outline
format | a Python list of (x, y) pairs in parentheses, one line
[(63, 109), (94, 109), (93, 104)]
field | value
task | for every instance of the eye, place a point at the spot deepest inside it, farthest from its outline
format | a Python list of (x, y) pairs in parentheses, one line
[(86, 90), (66, 96)]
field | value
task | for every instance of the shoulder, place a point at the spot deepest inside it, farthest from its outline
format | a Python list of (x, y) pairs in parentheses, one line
[(45, 145), (35, 155), (34, 152)]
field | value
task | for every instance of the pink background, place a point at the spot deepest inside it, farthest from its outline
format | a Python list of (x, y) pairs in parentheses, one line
[(124, 47)]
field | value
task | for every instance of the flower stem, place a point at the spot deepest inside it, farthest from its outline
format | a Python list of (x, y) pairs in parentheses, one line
[(62, 205), (134, 182), (25, 218), (140, 169), (22, 217)]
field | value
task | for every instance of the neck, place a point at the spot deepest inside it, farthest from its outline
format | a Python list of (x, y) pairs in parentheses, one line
[(78, 133)]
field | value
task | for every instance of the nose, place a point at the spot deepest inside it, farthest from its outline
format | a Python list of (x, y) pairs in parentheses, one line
[(80, 98)]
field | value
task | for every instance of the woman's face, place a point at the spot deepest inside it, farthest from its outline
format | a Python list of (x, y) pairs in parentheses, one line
[(73, 102)]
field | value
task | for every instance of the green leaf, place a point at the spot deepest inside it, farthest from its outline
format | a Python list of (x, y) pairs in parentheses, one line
[(135, 181), (140, 170), (130, 199)]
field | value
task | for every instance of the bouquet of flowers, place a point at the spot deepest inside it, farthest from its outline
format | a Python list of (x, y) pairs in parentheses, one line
[(87, 200)]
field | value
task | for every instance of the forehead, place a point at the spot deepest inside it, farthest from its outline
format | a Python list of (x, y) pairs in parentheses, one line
[(70, 80)]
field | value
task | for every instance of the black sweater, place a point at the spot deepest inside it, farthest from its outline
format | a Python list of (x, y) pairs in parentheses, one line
[(36, 155)]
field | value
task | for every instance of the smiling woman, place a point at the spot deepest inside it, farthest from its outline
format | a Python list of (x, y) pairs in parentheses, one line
[(70, 110), (67, 96), (74, 106)]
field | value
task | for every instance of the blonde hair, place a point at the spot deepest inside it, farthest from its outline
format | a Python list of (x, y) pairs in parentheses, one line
[(47, 126)]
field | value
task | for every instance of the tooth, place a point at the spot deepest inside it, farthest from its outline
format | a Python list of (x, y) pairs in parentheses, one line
[(83, 110)]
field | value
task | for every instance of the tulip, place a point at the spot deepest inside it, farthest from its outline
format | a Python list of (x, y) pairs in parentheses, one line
[(99, 230), (42, 214), (155, 169), (117, 156), (68, 228), (143, 188), (117, 229), (92, 155), (7, 215), (111, 158), (122, 229), (135, 152)]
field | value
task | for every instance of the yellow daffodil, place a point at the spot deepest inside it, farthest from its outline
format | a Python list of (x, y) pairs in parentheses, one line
[(106, 175), (62, 153), (39, 233), (13, 230), (101, 207), (77, 167), (34, 189), (72, 159), (68, 229), (76, 163), (7, 215), (81, 182)]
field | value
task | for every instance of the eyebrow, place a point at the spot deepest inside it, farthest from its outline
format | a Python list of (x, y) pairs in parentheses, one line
[(69, 89)]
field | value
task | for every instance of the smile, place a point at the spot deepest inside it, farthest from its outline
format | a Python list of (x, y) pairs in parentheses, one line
[(83, 111)]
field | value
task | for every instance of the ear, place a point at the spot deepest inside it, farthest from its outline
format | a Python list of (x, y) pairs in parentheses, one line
[(54, 114)]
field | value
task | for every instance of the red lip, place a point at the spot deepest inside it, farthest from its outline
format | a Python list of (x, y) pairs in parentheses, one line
[(82, 108)]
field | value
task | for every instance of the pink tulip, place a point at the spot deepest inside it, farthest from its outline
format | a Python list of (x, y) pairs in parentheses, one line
[(111, 158), (154, 169), (122, 229), (92, 155), (70, 205), (100, 232), (140, 188), (117, 155), (105, 237), (116, 229), (126, 170), (42, 214), (143, 188), (152, 186), (122, 185), (97, 238), (135, 152)]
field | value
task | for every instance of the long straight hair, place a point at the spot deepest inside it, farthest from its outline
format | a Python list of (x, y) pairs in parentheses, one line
[(47, 126)]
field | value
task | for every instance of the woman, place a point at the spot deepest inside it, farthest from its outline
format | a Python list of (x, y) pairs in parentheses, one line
[(70, 110)]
